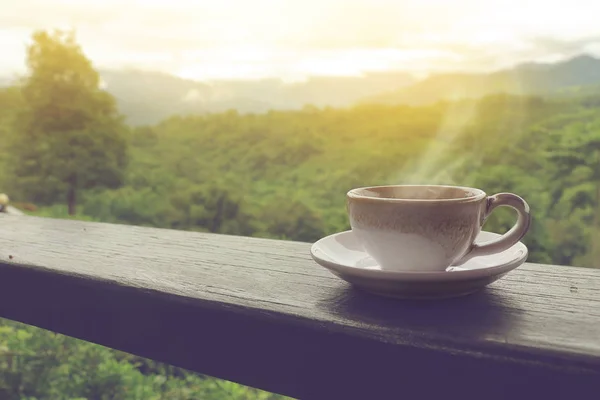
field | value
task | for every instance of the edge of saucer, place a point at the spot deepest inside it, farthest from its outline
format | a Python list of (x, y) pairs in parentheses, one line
[(505, 267)]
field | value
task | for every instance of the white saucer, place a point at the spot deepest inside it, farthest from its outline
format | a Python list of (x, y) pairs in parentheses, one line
[(344, 256)]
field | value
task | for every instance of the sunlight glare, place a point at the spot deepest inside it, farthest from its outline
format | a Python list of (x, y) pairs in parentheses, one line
[(294, 39)]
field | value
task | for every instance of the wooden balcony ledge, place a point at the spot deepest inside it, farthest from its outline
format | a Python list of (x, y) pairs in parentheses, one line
[(262, 313)]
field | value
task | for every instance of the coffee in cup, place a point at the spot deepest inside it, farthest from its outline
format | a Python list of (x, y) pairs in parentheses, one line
[(427, 228)]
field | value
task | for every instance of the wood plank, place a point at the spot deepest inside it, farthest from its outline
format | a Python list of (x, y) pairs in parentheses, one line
[(262, 313)]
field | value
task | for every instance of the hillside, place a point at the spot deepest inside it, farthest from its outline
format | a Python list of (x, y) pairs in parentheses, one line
[(524, 79), (284, 174), (147, 97)]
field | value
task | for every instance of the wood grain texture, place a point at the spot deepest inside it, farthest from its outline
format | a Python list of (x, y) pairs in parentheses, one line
[(263, 313)]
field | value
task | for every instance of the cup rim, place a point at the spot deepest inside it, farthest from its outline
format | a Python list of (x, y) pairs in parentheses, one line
[(355, 194)]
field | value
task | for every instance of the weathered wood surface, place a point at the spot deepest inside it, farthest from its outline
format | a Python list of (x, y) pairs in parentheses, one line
[(262, 313)]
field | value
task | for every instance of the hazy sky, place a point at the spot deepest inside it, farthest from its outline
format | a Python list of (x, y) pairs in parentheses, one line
[(291, 39)]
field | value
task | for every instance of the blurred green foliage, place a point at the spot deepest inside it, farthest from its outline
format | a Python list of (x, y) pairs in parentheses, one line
[(70, 134), (285, 174), (37, 364)]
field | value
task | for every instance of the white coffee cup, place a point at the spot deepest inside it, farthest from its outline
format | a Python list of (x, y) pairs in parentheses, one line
[(429, 227)]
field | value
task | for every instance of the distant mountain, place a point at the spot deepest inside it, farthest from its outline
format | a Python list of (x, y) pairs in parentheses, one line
[(529, 79), (148, 97)]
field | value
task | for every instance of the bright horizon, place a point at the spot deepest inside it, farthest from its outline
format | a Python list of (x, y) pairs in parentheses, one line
[(291, 40)]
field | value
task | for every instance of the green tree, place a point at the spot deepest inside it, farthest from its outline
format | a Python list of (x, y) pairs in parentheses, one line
[(36, 364), (70, 134), (10, 104), (575, 155), (292, 219)]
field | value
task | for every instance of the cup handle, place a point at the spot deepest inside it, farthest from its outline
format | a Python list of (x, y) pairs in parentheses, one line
[(511, 237)]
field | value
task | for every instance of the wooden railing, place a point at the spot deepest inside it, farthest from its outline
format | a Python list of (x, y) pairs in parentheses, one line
[(262, 313)]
